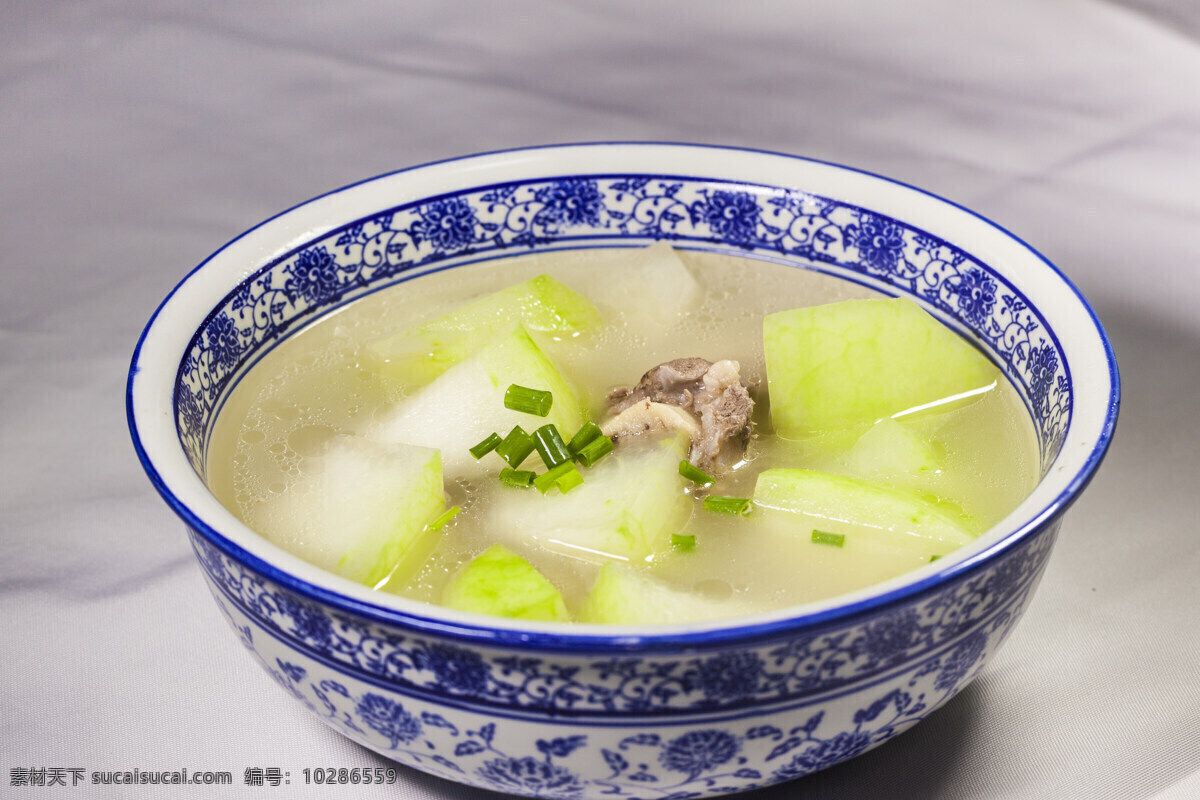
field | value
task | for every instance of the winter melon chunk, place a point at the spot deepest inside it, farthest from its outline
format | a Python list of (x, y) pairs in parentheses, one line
[(880, 518), (624, 596), (651, 283), (420, 354), (539, 304), (501, 583), (362, 512), (466, 403), (891, 452), (626, 509), (847, 364)]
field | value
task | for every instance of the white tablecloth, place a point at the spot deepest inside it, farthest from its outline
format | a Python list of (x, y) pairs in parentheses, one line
[(137, 137)]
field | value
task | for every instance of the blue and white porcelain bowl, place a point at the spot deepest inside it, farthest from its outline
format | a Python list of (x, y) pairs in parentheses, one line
[(548, 710)]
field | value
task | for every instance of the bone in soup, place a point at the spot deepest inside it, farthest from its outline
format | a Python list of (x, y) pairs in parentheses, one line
[(623, 436)]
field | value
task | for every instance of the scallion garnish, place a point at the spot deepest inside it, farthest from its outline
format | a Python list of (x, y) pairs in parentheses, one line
[(933, 559), (594, 450), (825, 537), (550, 446), (570, 479), (443, 518), (583, 437), (738, 506), (516, 447), (547, 480), (522, 478), (695, 474), (528, 401), (486, 446), (683, 543)]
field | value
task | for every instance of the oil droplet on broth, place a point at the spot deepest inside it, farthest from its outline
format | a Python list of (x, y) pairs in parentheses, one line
[(310, 440), (285, 413)]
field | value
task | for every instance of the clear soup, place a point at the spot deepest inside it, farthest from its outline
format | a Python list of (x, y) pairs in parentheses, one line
[(318, 384)]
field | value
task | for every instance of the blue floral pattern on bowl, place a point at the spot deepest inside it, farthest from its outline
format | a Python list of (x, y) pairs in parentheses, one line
[(448, 721), (765, 674), (793, 227)]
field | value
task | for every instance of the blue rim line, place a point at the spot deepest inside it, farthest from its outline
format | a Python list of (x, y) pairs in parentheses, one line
[(568, 641)]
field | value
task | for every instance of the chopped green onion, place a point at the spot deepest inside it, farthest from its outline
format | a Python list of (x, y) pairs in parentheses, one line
[(486, 446), (682, 543), (738, 506), (522, 478), (933, 559), (547, 480), (594, 450), (570, 479), (582, 437), (528, 401), (550, 446), (516, 447), (825, 537), (695, 474), (447, 515)]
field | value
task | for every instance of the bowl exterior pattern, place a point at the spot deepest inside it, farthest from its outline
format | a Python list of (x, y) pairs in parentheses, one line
[(572, 724), (566, 722)]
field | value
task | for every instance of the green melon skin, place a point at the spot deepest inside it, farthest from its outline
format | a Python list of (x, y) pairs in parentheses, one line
[(625, 596), (363, 515), (626, 509), (419, 354), (847, 364), (501, 583), (465, 404), (877, 517)]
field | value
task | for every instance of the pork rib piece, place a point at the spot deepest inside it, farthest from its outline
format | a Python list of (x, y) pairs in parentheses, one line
[(716, 401)]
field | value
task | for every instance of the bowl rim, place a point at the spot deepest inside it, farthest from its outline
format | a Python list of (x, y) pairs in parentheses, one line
[(568, 637)]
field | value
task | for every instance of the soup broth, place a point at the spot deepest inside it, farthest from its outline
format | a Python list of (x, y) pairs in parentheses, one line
[(322, 382)]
